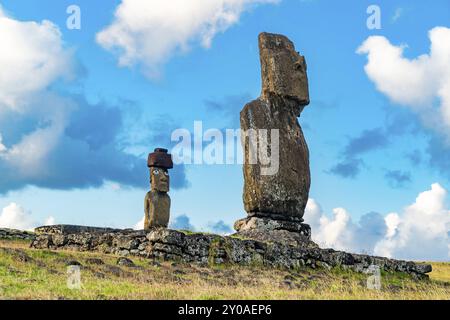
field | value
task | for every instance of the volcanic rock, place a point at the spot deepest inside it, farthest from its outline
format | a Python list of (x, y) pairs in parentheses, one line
[(281, 194)]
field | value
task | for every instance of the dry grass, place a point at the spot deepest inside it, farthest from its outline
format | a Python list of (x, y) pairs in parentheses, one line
[(441, 271), (39, 274)]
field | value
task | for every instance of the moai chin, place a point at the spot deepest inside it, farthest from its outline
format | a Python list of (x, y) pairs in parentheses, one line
[(157, 201), (285, 93)]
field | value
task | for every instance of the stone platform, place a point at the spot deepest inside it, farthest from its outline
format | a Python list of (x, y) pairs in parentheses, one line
[(11, 234), (295, 233), (204, 249), (71, 229)]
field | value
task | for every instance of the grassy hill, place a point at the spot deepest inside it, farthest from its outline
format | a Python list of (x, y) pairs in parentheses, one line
[(41, 274)]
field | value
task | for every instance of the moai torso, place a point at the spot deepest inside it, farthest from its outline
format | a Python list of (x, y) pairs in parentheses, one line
[(157, 201), (157, 209)]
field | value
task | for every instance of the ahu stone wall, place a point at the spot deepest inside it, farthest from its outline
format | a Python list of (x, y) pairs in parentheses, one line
[(11, 234), (165, 244)]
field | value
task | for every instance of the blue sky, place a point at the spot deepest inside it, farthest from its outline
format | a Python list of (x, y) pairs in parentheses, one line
[(369, 152)]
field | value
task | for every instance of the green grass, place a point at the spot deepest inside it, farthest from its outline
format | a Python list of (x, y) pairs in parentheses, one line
[(41, 274)]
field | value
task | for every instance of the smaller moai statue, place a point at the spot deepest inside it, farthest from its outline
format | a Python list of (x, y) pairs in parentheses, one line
[(157, 201)]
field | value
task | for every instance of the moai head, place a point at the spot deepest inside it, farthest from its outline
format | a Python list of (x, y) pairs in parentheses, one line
[(283, 70), (159, 162)]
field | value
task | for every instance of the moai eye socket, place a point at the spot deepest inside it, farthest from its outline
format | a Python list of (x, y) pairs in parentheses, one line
[(166, 173), (155, 172)]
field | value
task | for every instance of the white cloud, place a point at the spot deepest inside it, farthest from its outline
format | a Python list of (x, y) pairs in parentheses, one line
[(392, 221), (421, 232), (140, 224), (330, 232), (52, 141), (2, 146), (150, 32), (14, 216), (181, 222), (415, 83), (340, 232), (116, 186), (28, 156), (31, 58), (50, 221)]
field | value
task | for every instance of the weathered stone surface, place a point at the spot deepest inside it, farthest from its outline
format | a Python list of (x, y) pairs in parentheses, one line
[(160, 158), (281, 195), (165, 244), (266, 224), (11, 234), (122, 261), (266, 230), (72, 229), (157, 209), (283, 70), (157, 201), (286, 237), (95, 261), (72, 263), (424, 268)]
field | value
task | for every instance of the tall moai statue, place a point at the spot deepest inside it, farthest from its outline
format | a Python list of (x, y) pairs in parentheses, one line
[(157, 201), (277, 200)]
